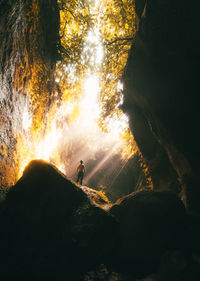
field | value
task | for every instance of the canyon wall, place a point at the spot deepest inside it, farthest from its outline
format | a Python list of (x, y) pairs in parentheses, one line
[(161, 81)]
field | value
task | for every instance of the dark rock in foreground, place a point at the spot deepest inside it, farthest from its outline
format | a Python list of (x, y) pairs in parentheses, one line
[(150, 224), (50, 230)]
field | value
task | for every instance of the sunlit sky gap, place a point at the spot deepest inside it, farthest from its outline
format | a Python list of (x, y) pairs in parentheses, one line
[(72, 129)]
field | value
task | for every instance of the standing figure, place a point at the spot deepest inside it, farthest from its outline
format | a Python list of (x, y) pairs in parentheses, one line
[(80, 171)]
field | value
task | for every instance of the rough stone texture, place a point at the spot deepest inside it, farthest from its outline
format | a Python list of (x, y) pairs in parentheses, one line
[(50, 230), (19, 52), (96, 197), (161, 88), (151, 223)]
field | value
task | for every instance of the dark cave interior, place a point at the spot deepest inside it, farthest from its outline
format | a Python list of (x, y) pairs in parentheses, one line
[(51, 230)]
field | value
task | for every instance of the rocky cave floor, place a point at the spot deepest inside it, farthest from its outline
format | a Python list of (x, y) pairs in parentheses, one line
[(52, 229)]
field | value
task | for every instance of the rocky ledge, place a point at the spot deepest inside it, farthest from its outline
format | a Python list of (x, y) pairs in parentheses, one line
[(52, 229)]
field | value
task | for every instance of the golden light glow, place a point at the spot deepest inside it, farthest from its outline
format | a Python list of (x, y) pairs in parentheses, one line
[(26, 119), (72, 125)]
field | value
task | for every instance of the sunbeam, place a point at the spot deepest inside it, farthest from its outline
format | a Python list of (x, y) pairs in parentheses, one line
[(77, 125)]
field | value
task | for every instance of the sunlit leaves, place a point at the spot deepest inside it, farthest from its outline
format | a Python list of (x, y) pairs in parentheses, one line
[(117, 32), (95, 38), (113, 23), (74, 22)]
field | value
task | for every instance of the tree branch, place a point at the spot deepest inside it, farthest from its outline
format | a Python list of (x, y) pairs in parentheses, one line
[(63, 30), (119, 39)]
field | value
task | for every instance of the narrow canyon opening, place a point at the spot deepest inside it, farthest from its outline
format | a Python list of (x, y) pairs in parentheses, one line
[(62, 92), (113, 83)]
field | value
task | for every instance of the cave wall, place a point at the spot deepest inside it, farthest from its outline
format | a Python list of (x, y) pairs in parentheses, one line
[(161, 81), (28, 50)]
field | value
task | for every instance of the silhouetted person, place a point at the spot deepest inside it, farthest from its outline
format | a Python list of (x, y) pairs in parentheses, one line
[(80, 171)]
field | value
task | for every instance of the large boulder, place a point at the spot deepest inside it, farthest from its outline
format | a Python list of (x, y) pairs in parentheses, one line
[(50, 229), (151, 222)]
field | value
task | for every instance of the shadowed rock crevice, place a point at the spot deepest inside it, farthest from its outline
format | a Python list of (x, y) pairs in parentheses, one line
[(160, 91)]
